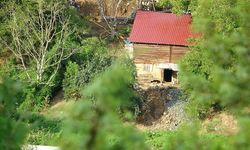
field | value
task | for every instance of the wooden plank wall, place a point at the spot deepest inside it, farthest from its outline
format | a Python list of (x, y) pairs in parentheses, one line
[(156, 54), (177, 53)]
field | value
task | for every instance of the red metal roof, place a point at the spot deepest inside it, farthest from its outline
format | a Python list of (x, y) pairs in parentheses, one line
[(161, 28)]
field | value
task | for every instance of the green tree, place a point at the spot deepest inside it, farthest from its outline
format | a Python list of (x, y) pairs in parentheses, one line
[(227, 46), (41, 40), (42, 35), (178, 6), (199, 64)]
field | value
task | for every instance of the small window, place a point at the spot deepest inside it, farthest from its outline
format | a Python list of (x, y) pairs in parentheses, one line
[(147, 67)]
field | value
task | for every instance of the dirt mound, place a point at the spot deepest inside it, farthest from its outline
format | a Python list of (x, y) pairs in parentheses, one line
[(152, 107), (163, 108), (172, 117)]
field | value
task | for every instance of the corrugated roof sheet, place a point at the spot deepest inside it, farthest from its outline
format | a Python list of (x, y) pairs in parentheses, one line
[(161, 28)]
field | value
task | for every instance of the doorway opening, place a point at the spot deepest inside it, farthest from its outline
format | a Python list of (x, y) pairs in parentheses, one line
[(168, 75)]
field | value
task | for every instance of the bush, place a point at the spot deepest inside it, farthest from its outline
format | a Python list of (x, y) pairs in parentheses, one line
[(93, 59), (71, 90), (34, 98)]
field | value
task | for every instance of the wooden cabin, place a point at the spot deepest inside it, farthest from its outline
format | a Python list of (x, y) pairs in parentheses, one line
[(157, 42)]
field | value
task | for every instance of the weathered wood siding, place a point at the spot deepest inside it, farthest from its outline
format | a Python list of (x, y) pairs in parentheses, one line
[(157, 54), (177, 53)]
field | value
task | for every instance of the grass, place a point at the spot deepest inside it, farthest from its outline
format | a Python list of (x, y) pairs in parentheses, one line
[(42, 129), (158, 139), (58, 110), (161, 139), (45, 127)]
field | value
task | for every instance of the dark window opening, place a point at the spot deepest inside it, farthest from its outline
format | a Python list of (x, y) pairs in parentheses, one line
[(168, 75)]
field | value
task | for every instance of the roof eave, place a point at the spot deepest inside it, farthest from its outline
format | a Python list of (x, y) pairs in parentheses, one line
[(182, 45)]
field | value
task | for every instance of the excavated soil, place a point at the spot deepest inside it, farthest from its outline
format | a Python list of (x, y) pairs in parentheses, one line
[(152, 104), (162, 108)]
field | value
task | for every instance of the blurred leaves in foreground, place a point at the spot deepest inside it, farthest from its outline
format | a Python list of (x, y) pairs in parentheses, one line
[(12, 131), (94, 122), (216, 74)]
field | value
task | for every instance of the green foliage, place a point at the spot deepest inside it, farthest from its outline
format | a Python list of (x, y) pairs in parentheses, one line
[(70, 80), (93, 59), (187, 137), (40, 33), (22, 18), (225, 47), (177, 6), (198, 64), (193, 6), (43, 130), (93, 123), (6, 7), (12, 132), (34, 98), (180, 6), (124, 31), (159, 139), (190, 137), (8, 69), (214, 72), (42, 137), (181, 139), (231, 59), (219, 63), (221, 19), (164, 3)]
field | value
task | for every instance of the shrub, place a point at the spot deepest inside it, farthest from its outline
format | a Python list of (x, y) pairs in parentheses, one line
[(71, 74), (34, 98), (93, 59)]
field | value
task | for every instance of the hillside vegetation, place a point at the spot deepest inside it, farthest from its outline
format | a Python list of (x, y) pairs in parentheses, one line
[(63, 84)]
